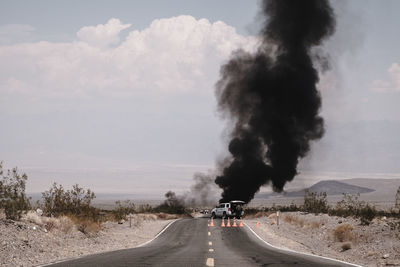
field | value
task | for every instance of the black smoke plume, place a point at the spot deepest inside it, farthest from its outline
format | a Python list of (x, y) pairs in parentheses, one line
[(271, 98)]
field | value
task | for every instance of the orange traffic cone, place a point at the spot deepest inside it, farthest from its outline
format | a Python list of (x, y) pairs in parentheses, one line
[(223, 222), (234, 223), (241, 223), (228, 224), (211, 223), (258, 224)]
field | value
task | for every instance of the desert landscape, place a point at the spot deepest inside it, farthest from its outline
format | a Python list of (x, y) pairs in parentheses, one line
[(37, 240), (376, 244)]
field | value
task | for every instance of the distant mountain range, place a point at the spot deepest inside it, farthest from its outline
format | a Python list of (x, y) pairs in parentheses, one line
[(331, 187)]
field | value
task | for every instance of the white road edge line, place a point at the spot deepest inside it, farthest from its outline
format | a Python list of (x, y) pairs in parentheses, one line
[(141, 245), (210, 262), (162, 231), (211, 250), (210, 243), (209, 233), (298, 252)]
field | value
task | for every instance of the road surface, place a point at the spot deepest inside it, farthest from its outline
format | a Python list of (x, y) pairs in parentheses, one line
[(191, 242)]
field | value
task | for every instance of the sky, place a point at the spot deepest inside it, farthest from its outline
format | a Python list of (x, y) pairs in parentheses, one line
[(119, 96)]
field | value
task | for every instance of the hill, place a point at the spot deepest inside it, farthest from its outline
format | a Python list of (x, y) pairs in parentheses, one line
[(331, 187)]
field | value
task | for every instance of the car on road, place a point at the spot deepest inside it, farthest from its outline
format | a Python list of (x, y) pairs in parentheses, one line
[(204, 211), (230, 209)]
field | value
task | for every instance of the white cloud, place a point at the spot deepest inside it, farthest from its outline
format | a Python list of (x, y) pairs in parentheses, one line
[(178, 54), (392, 84), (102, 35)]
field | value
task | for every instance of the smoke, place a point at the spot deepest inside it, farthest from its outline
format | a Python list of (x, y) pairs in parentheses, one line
[(271, 98), (203, 192)]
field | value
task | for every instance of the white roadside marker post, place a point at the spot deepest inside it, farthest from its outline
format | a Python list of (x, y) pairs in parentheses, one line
[(277, 217)]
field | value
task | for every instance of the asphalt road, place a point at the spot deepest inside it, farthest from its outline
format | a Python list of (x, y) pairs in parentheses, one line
[(191, 242)]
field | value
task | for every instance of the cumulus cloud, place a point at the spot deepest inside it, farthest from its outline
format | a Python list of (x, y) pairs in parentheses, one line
[(102, 35), (172, 55), (392, 84)]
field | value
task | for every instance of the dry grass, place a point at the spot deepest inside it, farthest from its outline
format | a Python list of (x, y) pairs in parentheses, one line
[(86, 225), (343, 233), (63, 223), (289, 218), (301, 222), (166, 216), (317, 224)]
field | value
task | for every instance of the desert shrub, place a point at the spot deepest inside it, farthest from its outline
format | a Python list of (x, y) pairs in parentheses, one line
[(315, 202), (292, 219), (172, 204), (122, 210), (397, 199), (12, 193), (291, 207), (350, 205), (76, 202), (165, 216), (88, 226), (145, 208), (63, 223), (316, 224), (32, 217), (343, 233)]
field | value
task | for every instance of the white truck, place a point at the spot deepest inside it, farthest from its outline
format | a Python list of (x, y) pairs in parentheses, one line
[(231, 209)]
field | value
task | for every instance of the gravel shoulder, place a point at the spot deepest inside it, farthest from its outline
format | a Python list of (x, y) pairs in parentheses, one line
[(377, 244), (25, 243)]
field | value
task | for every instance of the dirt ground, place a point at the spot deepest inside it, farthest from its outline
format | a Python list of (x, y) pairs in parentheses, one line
[(376, 244), (29, 243)]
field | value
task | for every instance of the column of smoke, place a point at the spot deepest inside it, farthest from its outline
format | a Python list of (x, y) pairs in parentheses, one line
[(203, 193), (271, 98)]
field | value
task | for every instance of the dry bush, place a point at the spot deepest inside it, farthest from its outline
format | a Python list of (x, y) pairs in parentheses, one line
[(13, 199), (165, 216), (86, 225), (316, 224), (138, 219), (123, 209), (343, 233), (2, 214), (65, 224), (294, 220), (350, 205), (75, 202), (346, 246), (32, 217), (315, 202)]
